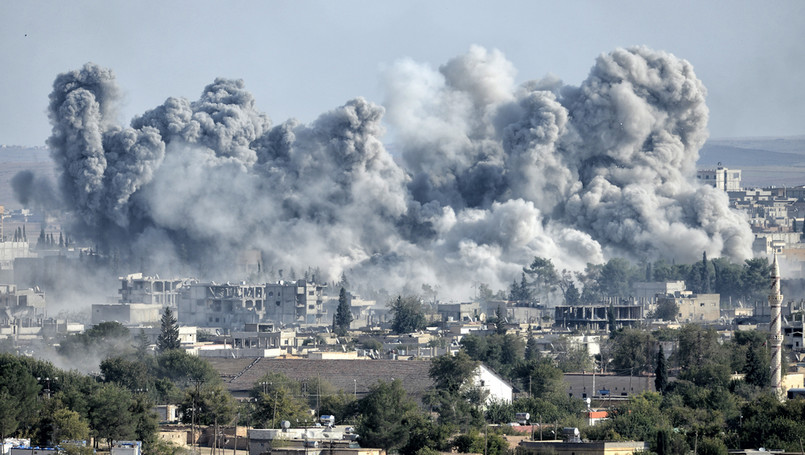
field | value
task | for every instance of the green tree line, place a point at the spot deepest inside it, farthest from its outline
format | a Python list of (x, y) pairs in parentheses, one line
[(747, 281)]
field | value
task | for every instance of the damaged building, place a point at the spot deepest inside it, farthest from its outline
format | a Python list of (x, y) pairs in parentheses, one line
[(595, 317), (142, 300), (230, 306), (20, 304)]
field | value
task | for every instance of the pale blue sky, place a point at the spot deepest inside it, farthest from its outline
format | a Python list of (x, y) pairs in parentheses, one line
[(301, 58)]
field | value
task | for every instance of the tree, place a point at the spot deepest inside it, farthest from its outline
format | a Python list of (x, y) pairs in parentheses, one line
[(169, 335), (663, 442), (639, 419), (132, 374), (616, 278), (454, 397), (485, 293), (110, 417), (543, 275), (387, 416), (755, 279), (142, 344), (728, 280), (705, 274), (452, 372), (532, 349), (277, 398), (572, 357), (18, 395), (611, 321), (702, 359), (183, 369), (661, 372), (488, 443), (632, 351), (209, 405), (757, 370), (667, 310), (408, 315), (541, 378), (572, 296), (500, 320), (343, 314), (69, 425)]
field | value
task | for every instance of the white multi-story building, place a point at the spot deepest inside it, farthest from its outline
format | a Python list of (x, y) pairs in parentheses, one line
[(721, 178)]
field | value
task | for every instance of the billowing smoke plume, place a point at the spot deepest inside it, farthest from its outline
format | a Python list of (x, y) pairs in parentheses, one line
[(489, 174)]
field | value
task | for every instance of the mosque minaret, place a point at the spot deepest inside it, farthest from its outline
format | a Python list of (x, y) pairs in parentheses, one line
[(775, 329)]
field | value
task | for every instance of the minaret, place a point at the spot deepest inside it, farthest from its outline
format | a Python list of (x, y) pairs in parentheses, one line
[(775, 330)]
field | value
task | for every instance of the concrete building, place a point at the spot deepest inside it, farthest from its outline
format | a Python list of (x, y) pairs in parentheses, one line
[(265, 336), (769, 243), (298, 302), (136, 288), (792, 336), (13, 250), (580, 448), (20, 304), (223, 306), (127, 448), (454, 312), (695, 307), (721, 177), (321, 440), (229, 306), (135, 314), (594, 317), (647, 293)]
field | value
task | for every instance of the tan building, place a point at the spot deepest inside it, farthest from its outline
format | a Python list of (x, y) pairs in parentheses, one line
[(695, 307), (580, 448)]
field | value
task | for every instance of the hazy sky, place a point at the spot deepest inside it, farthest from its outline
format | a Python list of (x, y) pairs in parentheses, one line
[(302, 58)]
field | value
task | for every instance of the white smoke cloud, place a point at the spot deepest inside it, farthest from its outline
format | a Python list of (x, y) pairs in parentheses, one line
[(490, 174)]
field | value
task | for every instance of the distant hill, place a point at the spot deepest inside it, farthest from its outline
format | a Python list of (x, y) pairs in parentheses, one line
[(736, 157), (772, 161)]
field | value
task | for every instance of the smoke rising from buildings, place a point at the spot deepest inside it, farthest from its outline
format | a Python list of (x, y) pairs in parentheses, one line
[(489, 174)]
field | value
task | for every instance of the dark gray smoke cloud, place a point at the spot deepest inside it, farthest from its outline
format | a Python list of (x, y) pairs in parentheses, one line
[(490, 174)]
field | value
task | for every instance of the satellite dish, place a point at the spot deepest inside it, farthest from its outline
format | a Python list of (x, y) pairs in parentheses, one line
[(286, 424)]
